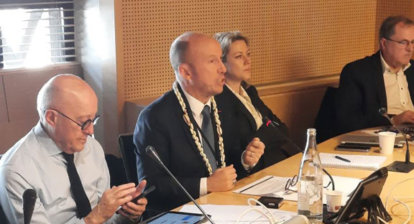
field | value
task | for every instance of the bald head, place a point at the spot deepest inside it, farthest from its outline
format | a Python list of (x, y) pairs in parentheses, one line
[(64, 92), (182, 45), (196, 60)]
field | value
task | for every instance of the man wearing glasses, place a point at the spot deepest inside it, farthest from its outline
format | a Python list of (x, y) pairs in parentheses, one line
[(61, 161), (382, 80)]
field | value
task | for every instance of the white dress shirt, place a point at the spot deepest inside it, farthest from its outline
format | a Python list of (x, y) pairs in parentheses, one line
[(35, 162), (197, 107), (396, 89)]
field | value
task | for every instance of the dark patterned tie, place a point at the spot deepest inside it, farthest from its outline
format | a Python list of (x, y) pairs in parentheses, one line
[(82, 202), (207, 129)]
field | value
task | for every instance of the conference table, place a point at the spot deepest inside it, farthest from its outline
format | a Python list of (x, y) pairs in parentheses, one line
[(290, 167)]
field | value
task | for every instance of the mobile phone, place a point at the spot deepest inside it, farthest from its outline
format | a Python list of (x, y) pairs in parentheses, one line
[(270, 202), (355, 147), (144, 194)]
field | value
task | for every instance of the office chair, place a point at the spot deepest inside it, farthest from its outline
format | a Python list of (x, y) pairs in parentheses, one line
[(116, 170), (127, 148), (3, 218), (326, 119)]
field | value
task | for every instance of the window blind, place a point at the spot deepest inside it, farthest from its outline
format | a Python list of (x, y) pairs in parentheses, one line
[(36, 33)]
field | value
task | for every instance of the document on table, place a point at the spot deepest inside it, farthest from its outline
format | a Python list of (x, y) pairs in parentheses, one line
[(354, 161), (228, 214), (265, 186), (275, 186)]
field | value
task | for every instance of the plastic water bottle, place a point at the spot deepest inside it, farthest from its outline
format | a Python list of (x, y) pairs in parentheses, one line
[(310, 181)]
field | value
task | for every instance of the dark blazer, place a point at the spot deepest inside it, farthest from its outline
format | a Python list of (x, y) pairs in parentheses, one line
[(162, 126), (361, 94), (239, 128)]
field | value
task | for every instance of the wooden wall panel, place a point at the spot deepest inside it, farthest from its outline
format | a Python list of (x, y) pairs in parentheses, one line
[(289, 39), (298, 47), (297, 109), (387, 8)]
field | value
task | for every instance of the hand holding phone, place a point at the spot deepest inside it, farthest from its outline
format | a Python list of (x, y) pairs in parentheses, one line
[(144, 193)]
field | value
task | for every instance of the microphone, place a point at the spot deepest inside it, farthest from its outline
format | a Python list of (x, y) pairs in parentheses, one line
[(383, 112), (29, 200), (150, 151), (398, 166)]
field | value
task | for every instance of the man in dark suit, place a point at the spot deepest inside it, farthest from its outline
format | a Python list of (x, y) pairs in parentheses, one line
[(382, 80), (184, 128)]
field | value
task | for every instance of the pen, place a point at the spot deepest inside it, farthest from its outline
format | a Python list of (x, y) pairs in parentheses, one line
[(343, 159)]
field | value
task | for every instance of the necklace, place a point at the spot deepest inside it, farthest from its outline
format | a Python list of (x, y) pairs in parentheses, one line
[(187, 120)]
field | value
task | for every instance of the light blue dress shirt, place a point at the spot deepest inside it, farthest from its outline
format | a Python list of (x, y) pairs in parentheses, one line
[(35, 162)]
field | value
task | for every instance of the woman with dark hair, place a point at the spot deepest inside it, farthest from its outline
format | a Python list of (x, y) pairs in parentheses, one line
[(243, 114)]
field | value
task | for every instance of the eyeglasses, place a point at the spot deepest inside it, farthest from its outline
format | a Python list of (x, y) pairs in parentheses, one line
[(84, 125), (404, 43), (291, 182)]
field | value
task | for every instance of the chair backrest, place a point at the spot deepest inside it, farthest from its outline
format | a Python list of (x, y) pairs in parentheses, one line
[(325, 122), (3, 218), (127, 148), (116, 170)]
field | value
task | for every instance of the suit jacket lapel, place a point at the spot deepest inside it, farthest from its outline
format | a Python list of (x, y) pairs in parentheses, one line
[(184, 123), (187, 128), (256, 104), (240, 107), (409, 73), (216, 145), (379, 79)]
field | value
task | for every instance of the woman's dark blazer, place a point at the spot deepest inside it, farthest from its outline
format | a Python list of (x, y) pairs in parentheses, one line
[(239, 128)]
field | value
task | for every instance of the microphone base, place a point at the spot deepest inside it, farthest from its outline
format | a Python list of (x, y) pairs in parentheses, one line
[(401, 167)]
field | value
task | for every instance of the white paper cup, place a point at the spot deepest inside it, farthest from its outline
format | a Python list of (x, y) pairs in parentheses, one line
[(386, 142), (333, 200)]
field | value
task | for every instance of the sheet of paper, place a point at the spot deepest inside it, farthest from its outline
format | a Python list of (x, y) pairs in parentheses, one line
[(267, 185), (228, 214), (275, 186), (355, 161)]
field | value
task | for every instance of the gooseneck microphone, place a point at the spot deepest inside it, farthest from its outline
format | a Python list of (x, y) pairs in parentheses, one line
[(398, 166), (29, 200), (150, 151), (383, 112)]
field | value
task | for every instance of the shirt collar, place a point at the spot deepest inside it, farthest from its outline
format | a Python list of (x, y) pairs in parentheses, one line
[(242, 92), (196, 106), (386, 67), (44, 139), (232, 89)]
